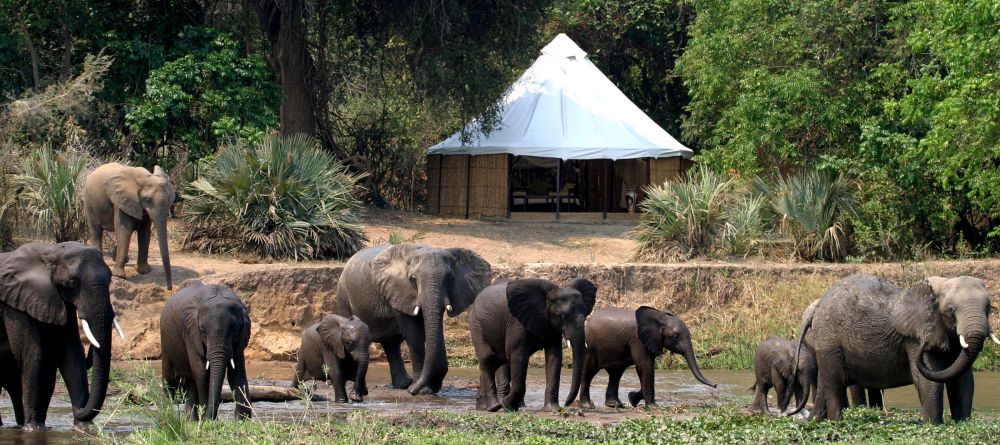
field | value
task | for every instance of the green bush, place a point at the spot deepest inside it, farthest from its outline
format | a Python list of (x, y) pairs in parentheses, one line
[(280, 198), (684, 219), (809, 208), (48, 183)]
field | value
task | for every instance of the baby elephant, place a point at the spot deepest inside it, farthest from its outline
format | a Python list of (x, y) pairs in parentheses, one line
[(203, 332), (335, 350), (773, 365), (619, 338)]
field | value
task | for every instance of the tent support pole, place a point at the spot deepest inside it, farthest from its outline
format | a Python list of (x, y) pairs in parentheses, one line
[(649, 178), (558, 186), (607, 188), (510, 184), (468, 185), (440, 175)]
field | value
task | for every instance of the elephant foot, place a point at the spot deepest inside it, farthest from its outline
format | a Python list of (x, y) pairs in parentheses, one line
[(143, 268), (82, 426), (357, 397), (401, 383), (341, 399), (118, 271), (33, 426), (634, 397), (423, 391), (586, 404), (551, 407), (613, 403)]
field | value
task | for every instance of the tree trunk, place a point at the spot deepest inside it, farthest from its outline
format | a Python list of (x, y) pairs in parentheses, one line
[(286, 31)]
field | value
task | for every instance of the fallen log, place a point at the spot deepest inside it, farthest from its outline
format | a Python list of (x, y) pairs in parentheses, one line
[(267, 393)]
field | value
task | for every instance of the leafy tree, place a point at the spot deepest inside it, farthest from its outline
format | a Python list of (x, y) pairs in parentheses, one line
[(202, 97)]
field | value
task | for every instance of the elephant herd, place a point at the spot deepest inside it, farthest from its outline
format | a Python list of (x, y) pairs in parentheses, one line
[(866, 334), (863, 334)]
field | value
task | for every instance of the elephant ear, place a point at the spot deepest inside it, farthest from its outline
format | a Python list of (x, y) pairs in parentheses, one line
[(648, 322), (392, 276), (589, 291), (123, 189), (472, 274), (331, 332), (781, 361), (26, 283), (919, 317), (526, 300)]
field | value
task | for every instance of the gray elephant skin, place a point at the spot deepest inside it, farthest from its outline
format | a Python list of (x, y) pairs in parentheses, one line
[(773, 367), (122, 199), (512, 320), (619, 338), (335, 349), (402, 292), (44, 290), (204, 329), (866, 331)]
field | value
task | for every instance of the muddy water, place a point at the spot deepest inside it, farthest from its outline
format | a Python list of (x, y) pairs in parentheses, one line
[(459, 395)]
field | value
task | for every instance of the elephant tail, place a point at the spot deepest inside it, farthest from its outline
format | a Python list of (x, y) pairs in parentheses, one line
[(806, 325)]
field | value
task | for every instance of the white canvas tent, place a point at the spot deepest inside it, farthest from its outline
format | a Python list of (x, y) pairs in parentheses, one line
[(564, 107), (568, 139)]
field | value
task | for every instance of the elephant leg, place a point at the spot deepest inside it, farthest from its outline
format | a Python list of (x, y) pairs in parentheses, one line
[(780, 390), (37, 373), (553, 367), (611, 399), (96, 234), (503, 380), (960, 393), (875, 398), (858, 397), (142, 259), (645, 367), (191, 405), (240, 386), (931, 394), (38, 383), (487, 400), (336, 376), (760, 391), (397, 370), (413, 332), (124, 226), (518, 375), (590, 369)]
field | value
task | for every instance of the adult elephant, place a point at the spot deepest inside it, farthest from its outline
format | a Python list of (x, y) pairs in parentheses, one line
[(618, 338), (204, 329), (122, 199), (401, 292), (44, 290), (866, 331), (511, 321)]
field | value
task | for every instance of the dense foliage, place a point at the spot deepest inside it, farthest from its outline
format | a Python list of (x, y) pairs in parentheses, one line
[(901, 98), (283, 197)]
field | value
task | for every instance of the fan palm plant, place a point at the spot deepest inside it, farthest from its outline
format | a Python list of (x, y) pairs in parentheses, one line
[(282, 198), (809, 208), (682, 219), (47, 184)]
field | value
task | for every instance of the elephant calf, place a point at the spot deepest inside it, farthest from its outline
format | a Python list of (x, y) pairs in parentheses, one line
[(511, 321), (773, 366), (619, 338), (335, 349), (203, 332)]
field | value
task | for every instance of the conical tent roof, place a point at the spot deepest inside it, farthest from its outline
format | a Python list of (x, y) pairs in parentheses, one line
[(564, 107)]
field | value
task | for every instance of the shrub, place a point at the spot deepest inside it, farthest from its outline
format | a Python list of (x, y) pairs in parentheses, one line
[(683, 219), (809, 208), (48, 183), (280, 198), (746, 229)]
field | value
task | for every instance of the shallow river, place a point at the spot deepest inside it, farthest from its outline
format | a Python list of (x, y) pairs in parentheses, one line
[(459, 395)]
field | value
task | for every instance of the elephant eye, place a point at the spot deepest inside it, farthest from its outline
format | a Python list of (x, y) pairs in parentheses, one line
[(413, 279)]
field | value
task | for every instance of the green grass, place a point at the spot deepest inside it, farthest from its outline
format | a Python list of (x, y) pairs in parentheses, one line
[(719, 425)]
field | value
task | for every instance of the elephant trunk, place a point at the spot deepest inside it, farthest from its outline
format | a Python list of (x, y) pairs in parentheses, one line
[(435, 365), (961, 364), (218, 361), (99, 323), (360, 386), (695, 370), (161, 238), (578, 344)]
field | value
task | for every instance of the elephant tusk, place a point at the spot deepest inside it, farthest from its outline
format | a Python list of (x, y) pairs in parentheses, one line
[(568, 345), (90, 335), (232, 363), (448, 307), (961, 340), (118, 327), (206, 365), (994, 337), (416, 310)]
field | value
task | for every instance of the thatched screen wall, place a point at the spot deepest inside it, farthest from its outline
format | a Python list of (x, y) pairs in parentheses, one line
[(483, 177), (478, 186)]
